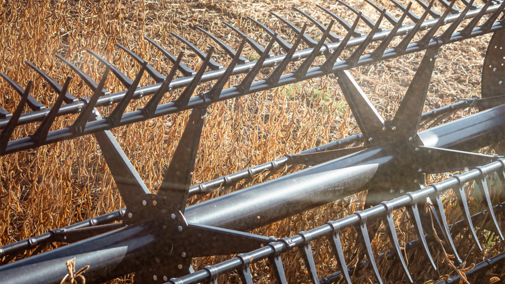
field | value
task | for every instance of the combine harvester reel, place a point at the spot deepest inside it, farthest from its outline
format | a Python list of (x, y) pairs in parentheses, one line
[(157, 236)]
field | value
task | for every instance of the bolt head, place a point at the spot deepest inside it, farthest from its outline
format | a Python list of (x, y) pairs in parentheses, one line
[(179, 266), (155, 203), (130, 215), (172, 216), (144, 202), (155, 277), (183, 254), (179, 228)]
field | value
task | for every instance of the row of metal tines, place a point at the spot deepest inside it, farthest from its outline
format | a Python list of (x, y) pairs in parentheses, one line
[(114, 119), (412, 201)]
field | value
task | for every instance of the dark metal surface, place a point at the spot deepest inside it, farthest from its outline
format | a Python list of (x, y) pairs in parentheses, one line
[(162, 236)]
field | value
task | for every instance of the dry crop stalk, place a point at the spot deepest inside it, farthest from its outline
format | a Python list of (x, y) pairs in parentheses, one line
[(158, 236)]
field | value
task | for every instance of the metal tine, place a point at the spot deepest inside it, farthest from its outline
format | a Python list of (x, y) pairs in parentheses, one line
[(226, 47), (463, 204), (439, 208), (115, 117), (68, 98), (245, 272), (13, 121), (367, 20), (354, 32), (388, 16), (40, 134), (379, 51), (354, 58), (467, 31), (183, 99), (149, 68), (333, 37), (276, 263), (80, 123), (88, 80), (32, 102), (482, 185), (308, 40), (215, 92), (185, 70), (415, 18), (489, 23), (304, 67), (441, 21), (450, 30), (336, 245), (402, 46), (427, 7), (152, 104), (308, 258), (473, 6), (4, 113), (213, 65), (284, 44), (245, 85), (256, 46), (390, 225), (446, 4), (368, 245), (414, 214), (277, 73), (328, 64), (127, 82)]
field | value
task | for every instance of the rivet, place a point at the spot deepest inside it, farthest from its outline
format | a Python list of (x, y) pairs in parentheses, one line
[(393, 128), (165, 278), (420, 170), (164, 227), (179, 228), (417, 149), (172, 216), (155, 277), (164, 211), (494, 70), (391, 191), (141, 94), (410, 138), (144, 202), (384, 128), (501, 82), (157, 260), (130, 215), (179, 266), (370, 139), (415, 180), (155, 203), (183, 254)]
